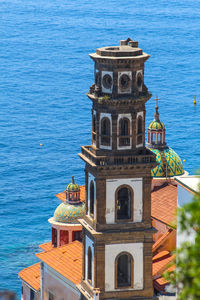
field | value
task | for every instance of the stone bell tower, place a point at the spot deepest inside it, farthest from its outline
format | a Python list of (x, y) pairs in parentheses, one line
[(117, 229)]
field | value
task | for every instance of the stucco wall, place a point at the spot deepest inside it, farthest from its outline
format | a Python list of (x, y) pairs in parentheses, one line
[(111, 187), (58, 285), (111, 252)]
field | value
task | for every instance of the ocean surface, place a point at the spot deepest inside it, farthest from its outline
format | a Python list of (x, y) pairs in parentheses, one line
[(45, 73)]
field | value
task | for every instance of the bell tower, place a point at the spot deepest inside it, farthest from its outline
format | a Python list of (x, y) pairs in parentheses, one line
[(117, 229)]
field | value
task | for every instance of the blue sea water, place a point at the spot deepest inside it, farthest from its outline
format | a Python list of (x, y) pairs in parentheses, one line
[(45, 72)]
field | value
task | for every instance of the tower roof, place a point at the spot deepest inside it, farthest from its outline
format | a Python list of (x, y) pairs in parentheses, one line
[(156, 124)]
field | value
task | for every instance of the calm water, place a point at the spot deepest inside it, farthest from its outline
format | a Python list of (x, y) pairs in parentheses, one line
[(45, 72)]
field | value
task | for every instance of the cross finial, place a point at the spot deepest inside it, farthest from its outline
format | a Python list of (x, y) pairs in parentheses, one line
[(157, 99), (156, 115)]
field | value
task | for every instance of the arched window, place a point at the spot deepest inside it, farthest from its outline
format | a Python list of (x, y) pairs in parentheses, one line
[(124, 132), (91, 198), (124, 203), (139, 125), (105, 132), (124, 270), (94, 127), (94, 123), (89, 266)]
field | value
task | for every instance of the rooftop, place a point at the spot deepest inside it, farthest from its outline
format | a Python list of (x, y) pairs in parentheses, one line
[(31, 276), (190, 182), (69, 255), (164, 203)]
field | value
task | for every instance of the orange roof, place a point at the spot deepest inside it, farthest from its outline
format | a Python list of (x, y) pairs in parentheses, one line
[(161, 240), (164, 203), (161, 282), (66, 260), (161, 262), (31, 275), (62, 195), (46, 246)]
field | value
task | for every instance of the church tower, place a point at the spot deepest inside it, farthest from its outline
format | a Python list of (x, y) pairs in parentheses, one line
[(117, 229)]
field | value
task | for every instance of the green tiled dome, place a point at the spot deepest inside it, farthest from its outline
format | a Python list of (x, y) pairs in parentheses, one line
[(68, 213), (174, 164), (73, 187), (156, 125)]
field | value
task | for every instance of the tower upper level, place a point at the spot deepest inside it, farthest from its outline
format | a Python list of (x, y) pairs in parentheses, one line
[(119, 72)]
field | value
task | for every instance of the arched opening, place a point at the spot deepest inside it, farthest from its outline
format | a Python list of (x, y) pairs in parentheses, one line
[(139, 130), (139, 127), (94, 127), (124, 270), (54, 236), (89, 266), (124, 199), (124, 132), (92, 198), (105, 132), (64, 237)]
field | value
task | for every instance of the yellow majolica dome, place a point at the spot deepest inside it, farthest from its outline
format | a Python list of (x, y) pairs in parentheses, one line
[(156, 125), (169, 163), (68, 213)]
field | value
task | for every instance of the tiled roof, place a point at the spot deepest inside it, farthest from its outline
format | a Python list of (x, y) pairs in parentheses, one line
[(161, 262), (46, 246), (31, 275), (164, 203), (161, 282), (66, 260), (161, 240), (62, 195)]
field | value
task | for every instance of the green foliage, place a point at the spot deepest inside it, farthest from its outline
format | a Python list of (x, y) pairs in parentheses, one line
[(187, 275)]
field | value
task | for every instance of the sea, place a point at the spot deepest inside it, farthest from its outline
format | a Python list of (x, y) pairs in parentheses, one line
[(45, 115)]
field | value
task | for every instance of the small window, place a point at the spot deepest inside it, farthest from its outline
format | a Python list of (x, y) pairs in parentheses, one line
[(124, 132), (105, 132), (139, 127), (32, 294), (64, 237), (54, 237), (51, 296), (94, 123), (124, 204), (22, 290), (89, 267), (91, 198), (124, 270)]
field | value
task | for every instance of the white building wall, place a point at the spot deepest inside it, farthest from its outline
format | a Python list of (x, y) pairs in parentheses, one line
[(111, 187), (111, 252)]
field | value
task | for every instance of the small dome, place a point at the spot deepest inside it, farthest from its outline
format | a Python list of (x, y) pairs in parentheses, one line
[(73, 187), (68, 213), (170, 157), (156, 125)]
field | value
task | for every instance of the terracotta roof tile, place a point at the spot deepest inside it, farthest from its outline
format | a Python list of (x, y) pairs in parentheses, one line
[(62, 195), (46, 246), (164, 204), (31, 275), (66, 260), (161, 240), (161, 262)]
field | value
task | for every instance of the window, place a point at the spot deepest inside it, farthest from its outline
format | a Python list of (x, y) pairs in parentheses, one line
[(51, 296), (77, 236), (124, 270), (89, 267), (54, 237), (32, 294), (139, 130), (139, 127), (124, 132), (105, 132), (94, 127), (124, 204), (91, 198), (64, 237)]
